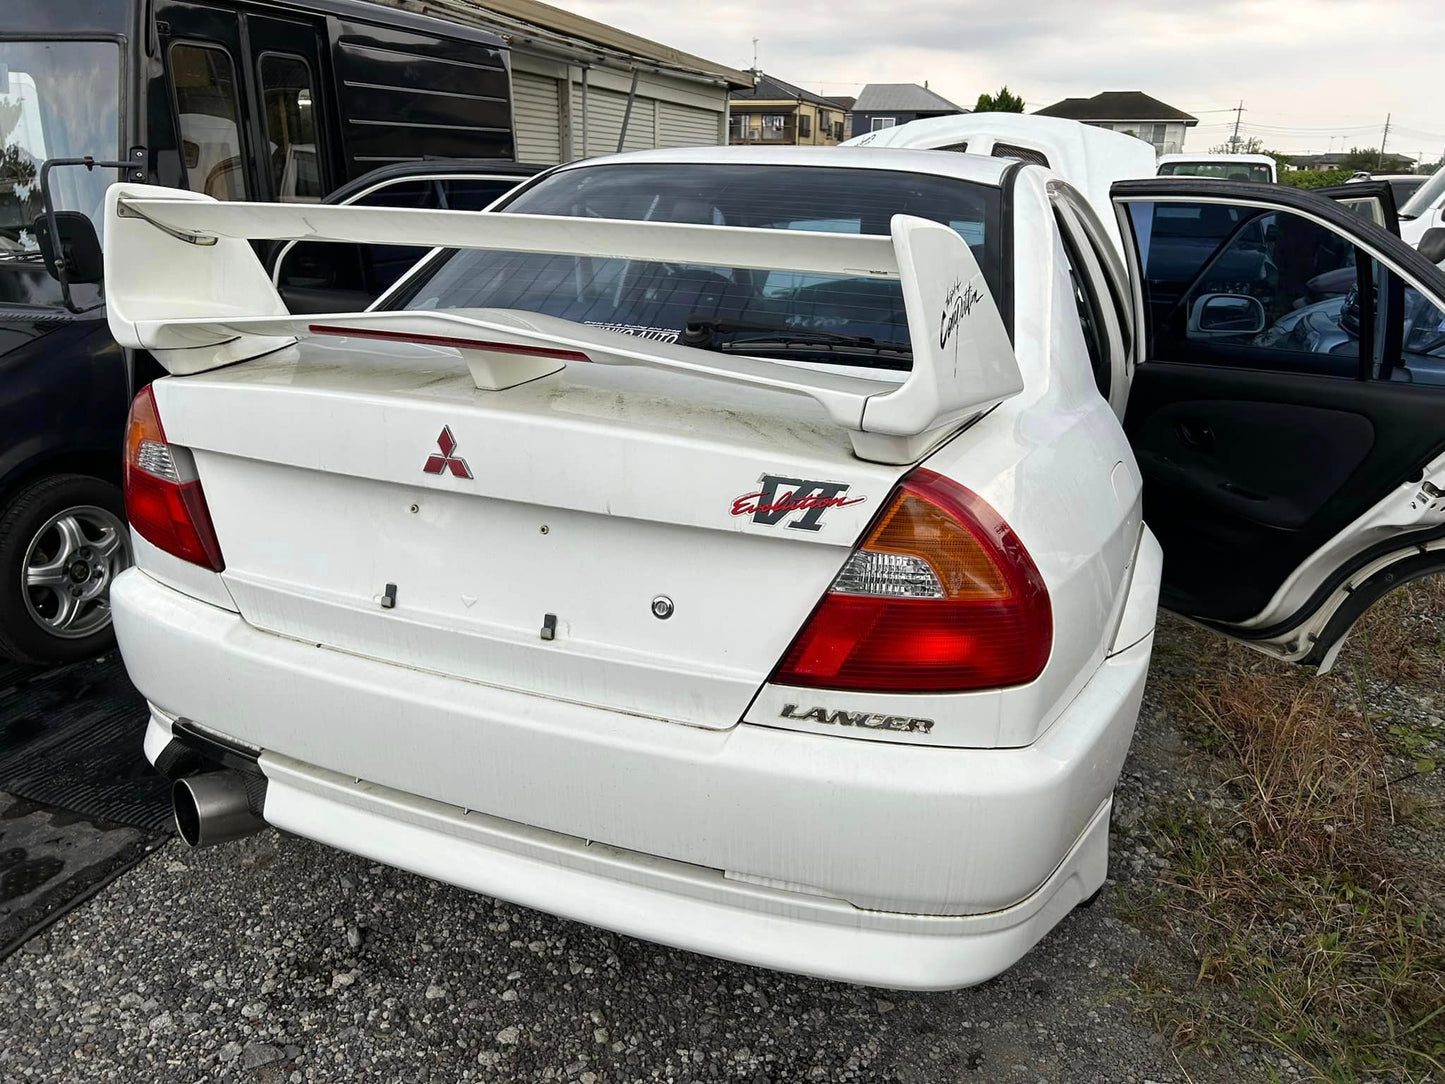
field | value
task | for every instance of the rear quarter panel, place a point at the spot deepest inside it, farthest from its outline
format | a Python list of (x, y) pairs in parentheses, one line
[(1054, 462)]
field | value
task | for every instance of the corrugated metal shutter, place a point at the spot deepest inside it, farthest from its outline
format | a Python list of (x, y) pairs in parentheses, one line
[(605, 111), (683, 126), (536, 103)]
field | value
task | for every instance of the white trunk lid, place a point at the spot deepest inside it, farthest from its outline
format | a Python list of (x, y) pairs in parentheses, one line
[(585, 495)]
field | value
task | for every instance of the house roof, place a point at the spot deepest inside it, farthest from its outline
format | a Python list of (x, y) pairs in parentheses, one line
[(1117, 106), (842, 101), (770, 89), (1332, 159), (901, 98), (530, 22)]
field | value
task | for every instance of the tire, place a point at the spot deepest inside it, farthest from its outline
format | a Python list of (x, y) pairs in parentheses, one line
[(63, 540)]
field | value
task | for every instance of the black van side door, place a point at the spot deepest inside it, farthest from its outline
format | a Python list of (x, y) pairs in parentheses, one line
[(250, 95)]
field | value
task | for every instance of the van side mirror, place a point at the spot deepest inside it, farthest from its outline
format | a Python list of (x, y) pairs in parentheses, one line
[(78, 247), (1432, 244)]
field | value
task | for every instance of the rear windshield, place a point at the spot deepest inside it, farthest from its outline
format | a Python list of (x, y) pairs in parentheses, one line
[(1221, 171), (656, 300)]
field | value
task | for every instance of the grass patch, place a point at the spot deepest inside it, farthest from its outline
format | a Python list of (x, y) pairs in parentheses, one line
[(1305, 928)]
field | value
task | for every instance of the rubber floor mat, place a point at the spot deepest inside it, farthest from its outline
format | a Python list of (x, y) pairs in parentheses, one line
[(71, 737), (52, 861)]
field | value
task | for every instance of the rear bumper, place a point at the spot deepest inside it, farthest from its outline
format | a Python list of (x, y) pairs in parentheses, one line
[(896, 865)]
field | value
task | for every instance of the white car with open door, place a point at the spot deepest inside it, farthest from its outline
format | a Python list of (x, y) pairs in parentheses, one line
[(741, 548), (1425, 210), (1091, 159)]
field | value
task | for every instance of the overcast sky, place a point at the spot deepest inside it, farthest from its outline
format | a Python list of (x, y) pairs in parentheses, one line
[(1314, 74)]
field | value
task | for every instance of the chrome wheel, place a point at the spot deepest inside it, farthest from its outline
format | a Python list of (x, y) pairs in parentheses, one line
[(68, 569)]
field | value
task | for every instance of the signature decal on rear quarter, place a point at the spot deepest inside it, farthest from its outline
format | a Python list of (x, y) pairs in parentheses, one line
[(902, 724), (957, 303), (779, 497)]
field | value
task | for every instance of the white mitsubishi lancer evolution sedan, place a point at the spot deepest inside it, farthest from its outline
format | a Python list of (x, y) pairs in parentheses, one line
[(746, 549)]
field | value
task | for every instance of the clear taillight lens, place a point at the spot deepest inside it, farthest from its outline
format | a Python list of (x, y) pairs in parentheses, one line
[(941, 596), (163, 497)]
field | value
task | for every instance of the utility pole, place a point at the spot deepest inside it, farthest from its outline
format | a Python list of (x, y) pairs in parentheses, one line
[(1234, 139), (1383, 137)]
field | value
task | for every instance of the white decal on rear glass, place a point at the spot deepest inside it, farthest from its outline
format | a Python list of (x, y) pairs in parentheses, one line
[(656, 334)]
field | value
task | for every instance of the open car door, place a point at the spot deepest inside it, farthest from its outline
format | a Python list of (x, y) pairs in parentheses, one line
[(1374, 200), (1290, 429)]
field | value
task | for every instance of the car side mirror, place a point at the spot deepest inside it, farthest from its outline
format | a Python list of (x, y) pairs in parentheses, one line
[(1432, 244), (1226, 314), (78, 247)]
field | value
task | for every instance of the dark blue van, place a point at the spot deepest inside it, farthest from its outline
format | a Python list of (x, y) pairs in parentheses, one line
[(261, 100)]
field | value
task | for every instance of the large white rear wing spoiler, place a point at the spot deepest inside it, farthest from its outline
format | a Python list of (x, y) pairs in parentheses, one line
[(183, 282)]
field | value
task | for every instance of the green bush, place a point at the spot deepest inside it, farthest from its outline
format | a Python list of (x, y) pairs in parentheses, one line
[(1306, 178)]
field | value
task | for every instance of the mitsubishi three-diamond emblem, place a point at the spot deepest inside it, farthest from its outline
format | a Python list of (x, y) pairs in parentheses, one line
[(436, 464)]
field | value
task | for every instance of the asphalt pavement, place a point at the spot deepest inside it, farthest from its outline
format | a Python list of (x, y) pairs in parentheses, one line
[(277, 959)]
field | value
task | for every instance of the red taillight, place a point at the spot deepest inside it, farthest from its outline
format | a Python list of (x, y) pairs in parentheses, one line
[(941, 596), (163, 498)]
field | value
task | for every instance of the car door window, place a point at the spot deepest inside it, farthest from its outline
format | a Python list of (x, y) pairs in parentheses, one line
[(317, 276), (474, 193), (1422, 341), (1252, 287), (1091, 317), (209, 115), (289, 102)]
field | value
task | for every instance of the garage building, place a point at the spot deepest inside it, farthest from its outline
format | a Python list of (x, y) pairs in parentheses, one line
[(576, 82)]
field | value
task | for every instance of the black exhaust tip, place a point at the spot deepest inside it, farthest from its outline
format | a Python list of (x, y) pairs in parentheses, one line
[(213, 808)]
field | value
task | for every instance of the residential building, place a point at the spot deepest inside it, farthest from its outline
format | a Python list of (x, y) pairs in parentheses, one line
[(1322, 163), (883, 105), (582, 88), (845, 103), (1132, 112), (780, 114), (1318, 163)]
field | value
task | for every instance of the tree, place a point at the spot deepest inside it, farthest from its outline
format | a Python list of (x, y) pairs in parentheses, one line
[(1253, 145), (1368, 158), (1002, 102)]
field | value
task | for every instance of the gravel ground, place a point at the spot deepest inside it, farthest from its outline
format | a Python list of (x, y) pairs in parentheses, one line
[(276, 959)]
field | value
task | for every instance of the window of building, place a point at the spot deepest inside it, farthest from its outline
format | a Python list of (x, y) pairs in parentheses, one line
[(805, 126), (206, 104), (883, 122)]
